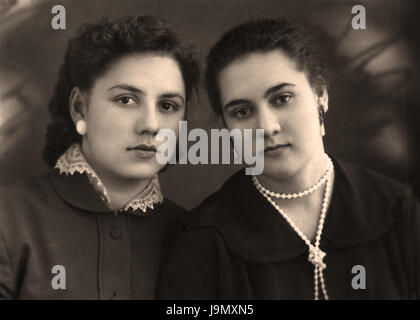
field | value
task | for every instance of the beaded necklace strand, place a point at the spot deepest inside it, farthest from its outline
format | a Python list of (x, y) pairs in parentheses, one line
[(316, 255)]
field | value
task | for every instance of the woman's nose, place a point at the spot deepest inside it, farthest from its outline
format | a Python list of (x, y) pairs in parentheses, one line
[(268, 120), (148, 119)]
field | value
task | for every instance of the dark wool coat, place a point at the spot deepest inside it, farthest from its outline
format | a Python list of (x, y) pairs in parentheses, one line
[(58, 220), (235, 245)]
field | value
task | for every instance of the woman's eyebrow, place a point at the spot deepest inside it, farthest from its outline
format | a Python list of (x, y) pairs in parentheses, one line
[(236, 102), (277, 88), (128, 88), (270, 91), (170, 95)]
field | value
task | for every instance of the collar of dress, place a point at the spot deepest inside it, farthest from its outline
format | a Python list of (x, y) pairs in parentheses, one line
[(362, 210), (73, 162)]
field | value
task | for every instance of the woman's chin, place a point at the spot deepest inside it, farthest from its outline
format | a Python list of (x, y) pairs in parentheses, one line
[(279, 170), (141, 170)]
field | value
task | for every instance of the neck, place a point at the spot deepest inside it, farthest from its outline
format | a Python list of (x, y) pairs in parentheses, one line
[(305, 177), (120, 189)]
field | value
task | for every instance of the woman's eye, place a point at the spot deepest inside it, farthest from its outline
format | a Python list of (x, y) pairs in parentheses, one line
[(126, 101), (242, 112), (168, 107), (282, 99)]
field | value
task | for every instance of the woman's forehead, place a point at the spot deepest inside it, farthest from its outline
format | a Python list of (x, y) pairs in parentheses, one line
[(257, 72), (144, 71)]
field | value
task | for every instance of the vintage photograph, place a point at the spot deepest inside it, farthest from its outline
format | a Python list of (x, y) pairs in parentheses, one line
[(209, 150)]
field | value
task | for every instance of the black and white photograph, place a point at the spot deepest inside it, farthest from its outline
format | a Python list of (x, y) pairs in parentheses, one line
[(209, 150)]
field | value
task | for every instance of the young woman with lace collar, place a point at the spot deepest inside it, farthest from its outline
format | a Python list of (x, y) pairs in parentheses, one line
[(95, 227)]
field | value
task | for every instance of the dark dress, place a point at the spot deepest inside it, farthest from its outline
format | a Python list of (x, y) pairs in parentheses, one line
[(59, 220), (235, 245)]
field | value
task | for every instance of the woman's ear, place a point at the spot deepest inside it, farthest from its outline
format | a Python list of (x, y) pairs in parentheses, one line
[(78, 105), (322, 94), (323, 99)]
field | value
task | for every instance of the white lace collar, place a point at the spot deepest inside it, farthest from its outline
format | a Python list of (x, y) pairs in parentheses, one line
[(73, 161)]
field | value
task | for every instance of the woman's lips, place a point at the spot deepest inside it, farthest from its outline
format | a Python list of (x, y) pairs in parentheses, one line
[(143, 147), (143, 151), (278, 148)]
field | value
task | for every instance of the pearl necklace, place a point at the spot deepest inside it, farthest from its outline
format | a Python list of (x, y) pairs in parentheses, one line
[(301, 194), (316, 255)]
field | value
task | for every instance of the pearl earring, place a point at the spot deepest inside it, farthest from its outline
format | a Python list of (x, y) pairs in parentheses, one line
[(81, 127)]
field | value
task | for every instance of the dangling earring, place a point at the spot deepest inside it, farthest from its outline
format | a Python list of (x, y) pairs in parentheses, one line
[(81, 127), (322, 130), (321, 119)]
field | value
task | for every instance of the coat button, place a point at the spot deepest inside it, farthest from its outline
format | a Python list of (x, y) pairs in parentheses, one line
[(115, 233)]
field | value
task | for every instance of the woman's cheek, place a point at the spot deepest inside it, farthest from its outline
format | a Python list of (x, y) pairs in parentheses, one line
[(172, 121)]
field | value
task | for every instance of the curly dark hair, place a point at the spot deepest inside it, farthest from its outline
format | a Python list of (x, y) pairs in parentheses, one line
[(89, 55), (262, 36)]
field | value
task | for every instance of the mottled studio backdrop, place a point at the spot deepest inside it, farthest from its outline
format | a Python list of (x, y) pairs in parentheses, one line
[(374, 99)]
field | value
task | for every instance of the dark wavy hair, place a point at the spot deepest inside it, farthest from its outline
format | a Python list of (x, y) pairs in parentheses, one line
[(89, 55), (266, 35)]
